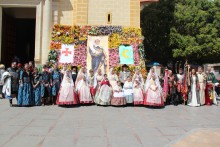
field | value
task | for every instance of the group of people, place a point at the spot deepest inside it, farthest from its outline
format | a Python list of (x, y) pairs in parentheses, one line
[(69, 87), (190, 86)]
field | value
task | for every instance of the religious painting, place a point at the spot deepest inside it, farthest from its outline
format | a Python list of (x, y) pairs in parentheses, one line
[(66, 53), (126, 54), (97, 53)]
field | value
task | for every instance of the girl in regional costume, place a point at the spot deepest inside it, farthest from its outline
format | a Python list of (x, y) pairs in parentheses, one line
[(36, 87), (154, 92), (67, 95), (193, 97), (118, 98), (138, 92), (104, 95), (128, 91), (98, 77), (83, 91), (112, 77)]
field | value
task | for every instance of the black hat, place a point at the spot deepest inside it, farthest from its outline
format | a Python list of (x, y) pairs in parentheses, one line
[(74, 67), (124, 66), (44, 66)]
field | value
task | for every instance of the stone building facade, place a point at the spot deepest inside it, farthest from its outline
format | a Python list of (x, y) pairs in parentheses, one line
[(68, 12)]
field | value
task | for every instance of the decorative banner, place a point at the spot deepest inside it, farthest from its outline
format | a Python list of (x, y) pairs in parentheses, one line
[(97, 53), (126, 54), (66, 53)]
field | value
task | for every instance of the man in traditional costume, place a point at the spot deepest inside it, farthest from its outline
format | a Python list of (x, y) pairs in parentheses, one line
[(124, 74), (74, 73), (45, 85), (179, 82)]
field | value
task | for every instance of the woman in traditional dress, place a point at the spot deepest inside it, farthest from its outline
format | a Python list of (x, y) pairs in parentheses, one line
[(154, 92), (25, 97), (98, 78), (138, 75), (36, 87), (118, 98), (83, 91), (80, 75), (104, 95), (67, 95), (202, 84), (56, 78), (193, 97), (112, 77), (128, 91), (138, 92), (65, 68)]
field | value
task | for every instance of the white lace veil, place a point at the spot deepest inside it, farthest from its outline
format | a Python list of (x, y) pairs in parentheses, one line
[(147, 83), (67, 74), (110, 72)]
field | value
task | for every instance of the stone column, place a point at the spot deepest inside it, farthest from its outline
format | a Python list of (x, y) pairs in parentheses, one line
[(0, 33), (47, 17), (38, 33)]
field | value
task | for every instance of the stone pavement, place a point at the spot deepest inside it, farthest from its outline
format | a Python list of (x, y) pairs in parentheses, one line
[(95, 126)]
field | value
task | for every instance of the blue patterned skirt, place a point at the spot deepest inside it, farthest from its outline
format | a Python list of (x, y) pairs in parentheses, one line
[(25, 95), (37, 95)]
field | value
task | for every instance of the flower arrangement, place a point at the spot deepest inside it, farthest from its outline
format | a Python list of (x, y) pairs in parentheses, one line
[(118, 35)]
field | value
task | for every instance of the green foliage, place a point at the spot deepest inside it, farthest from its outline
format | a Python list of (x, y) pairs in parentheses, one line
[(196, 33), (52, 57), (184, 29)]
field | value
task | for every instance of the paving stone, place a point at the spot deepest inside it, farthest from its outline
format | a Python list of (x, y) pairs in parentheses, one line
[(103, 126)]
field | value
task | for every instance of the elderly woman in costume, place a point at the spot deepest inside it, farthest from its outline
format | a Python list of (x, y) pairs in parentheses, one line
[(128, 91), (2, 70), (104, 94), (67, 95), (154, 92), (6, 89), (118, 98), (112, 77), (83, 88), (193, 97), (138, 92)]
